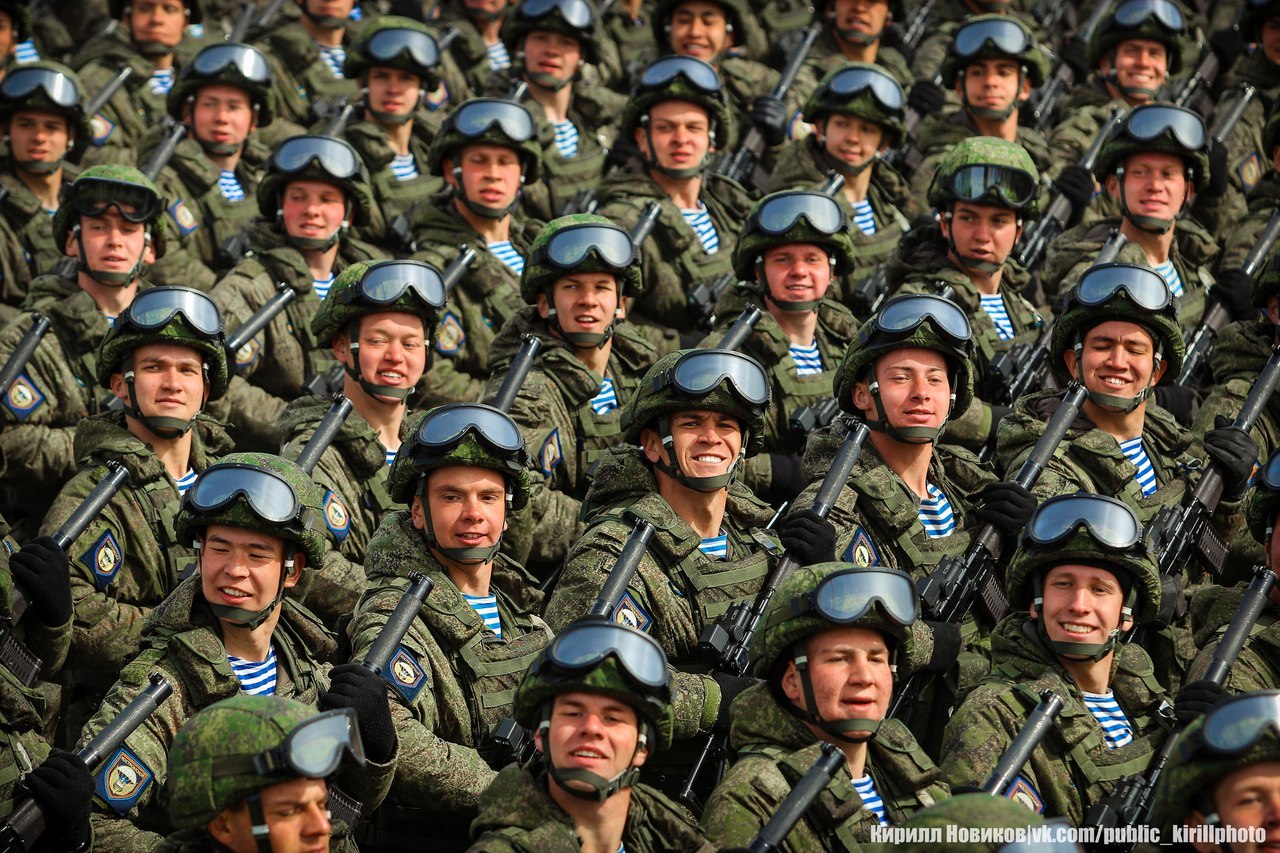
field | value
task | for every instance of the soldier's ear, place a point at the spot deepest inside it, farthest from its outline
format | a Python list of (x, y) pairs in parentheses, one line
[(341, 346), (222, 827)]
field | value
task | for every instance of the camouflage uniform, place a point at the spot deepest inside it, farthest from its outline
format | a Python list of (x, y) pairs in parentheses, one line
[(634, 39), (301, 78), (826, 56), (394, 196), (30, 227)]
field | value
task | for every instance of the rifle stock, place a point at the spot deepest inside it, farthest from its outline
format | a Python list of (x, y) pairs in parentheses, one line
[(1019, 752)]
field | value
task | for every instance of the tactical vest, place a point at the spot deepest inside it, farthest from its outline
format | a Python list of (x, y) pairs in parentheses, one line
[(296, 321), (565, 177), (394, 196), (679, 247), (595, 433), (872, 250)]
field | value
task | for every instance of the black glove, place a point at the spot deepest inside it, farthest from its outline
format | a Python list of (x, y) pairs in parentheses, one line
[(808, 537), (1006, 506), (786, 478), (1231, 288), (730, 687), (1179, 401), (1233, 450), (40, 571), (1197, 698), (63, 786), (769, 115), (1173, 602), (1076, 184), (926, 98), (1073, 53), (1219, 171), (947, 644), (1229, 45), (353, 686)]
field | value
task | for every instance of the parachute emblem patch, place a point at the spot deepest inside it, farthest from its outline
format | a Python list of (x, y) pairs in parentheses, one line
[(336, 516), (248, 353), (629, 612), (102, 129), (451, 336), (438, 98), (123, 780), (404, 673), (1022, 791), (23, 397), (1250, 171), (550, 456), (103, 559), (862, 551), (183, 217)]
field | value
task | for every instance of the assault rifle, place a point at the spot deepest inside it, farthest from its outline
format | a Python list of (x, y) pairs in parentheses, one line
[(917, 26), (250, 20), (773, 833), (24, 350), (164, 153), (1019, 752), (741, 328), (517, 373), (326, 432), (1044, 101), (728, 641), (398, 623)]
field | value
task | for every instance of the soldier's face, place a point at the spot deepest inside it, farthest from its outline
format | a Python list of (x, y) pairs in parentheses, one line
[(1117, 358), (111, 242), (468, 506), (168, 381), (38, 136), (296, 813), (700, 29), (490, 174), (392, 90), (393, 350), (1269, 38), (864, 16), (982, 231), (330, 8), (851, 139), (1249, 798), (592, 732), (584, 302), (160, 21), (705, 443), (680, 132), (915, 388), (242, 568), (8, 35), (1081, 604), (797, 272), (850, 672), (551, 53), (1154, 185), (222, 114), (1139, 64), (993, 84), (313, 209)]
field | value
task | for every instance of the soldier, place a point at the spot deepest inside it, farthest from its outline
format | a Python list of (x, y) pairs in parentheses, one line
[(678, 115), (307, 57), (854, 34), (792, 247), (1085, 576), (1264, 194), (230, 629), (229, 794), (829, 648), (580, 273), (463, 473), (164, 359), (47, 129), (478, 49), (315, 188), (111, 225), (599, 703), (486, 152)]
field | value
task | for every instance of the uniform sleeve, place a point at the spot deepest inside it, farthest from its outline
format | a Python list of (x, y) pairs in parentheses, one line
[(743, 803), (974, 740), (34, 444)]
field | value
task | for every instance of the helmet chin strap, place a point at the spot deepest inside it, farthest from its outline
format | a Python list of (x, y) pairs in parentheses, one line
[(40, 167), (651, 161), (798, 306), (474, 556), (698, 484), (1082, 651), (316, 244), (260, 827), (911, 434), (580, 340), (838, 729), (1114, 401), (163, 426), (485, 14), (484, 210), (971, 264), (105, 277), (383, 117), (252, 619), (858, 37), (1132, 93), (542, 79), (601, 789), (1150, 224), (353, 370), (986, 112), (153, 49), (834, 162)]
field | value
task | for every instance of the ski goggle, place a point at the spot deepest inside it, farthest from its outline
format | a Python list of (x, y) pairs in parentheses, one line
[(1271, 473), (22, 82), (695, 72), (780, 214), (385, 283), (1146, 288), (216, 59), (1135, 13), (155, 308), (585, 644), (850, 594), (576, 13), (700, 372), (474, 118), (852, 81), (568, 248), (334, 156), (447, 425), (902, 315), (1005, 36), (312, 750), (1014, 187), (1150, 122), (269, 495), (1235, 725), (94, 197), (391, 44), (1111, 523)]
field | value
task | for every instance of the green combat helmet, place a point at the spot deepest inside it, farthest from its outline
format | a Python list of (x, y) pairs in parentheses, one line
[(1164, 23), (982, 812), (1119, 292), (166, 315), (400, 43), (577, 19), (232, 750), (862, 90), (816, 598), (678, 78), (317, 158), (1264, 500), (607, 658), (993, 37), (1157, 129), (380, 287), (487, 121), (98, 189), (237, 65), (51, 88), (252, 491), (907, 322), (1093, 530), (745, 33), (714, 380)]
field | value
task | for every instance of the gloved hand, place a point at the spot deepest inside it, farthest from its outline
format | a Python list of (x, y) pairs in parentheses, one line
[(1233, 450), (730, 687), (947, 644), (1076, 184), (1173, 601), (1006, 506), (786, 478), (63, 787), (926, 98), (769, 115), (1231, 288), (1073, 53), (1179, 401), (1197, 698), (40, 570), (1229, 45), (808, 537), (1219, 171), (353, 686)]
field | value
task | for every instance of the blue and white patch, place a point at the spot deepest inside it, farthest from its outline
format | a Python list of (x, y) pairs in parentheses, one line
[(862, 551), (1250, 171), (336, 516), (248, 354), (183, 217), (630, 613), (23, 397), (103, 559), (550, 455), (404, 673), (1022, 791), (451, 337), (439, 98), (102, 127), (123, 780)]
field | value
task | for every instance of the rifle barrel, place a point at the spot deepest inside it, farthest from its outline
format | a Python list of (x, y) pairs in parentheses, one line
[(99, 100), (1029, 737), (741, 328), (330, 425), (24, 350), (530, 346), (398, 623), (623, 570), (457, 268), (92, 505), (164, 153), (259, 319), (773, 833), (1266, 240), (1233, 640)]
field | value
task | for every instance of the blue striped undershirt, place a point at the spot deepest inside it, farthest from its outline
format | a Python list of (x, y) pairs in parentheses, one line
[(404, 167), (700, 221), (27, 52), (507, 253), (486, 607), (333, 57), (936, 515), (1169, 273), (871, 800), (864, 217), (993, 305), (322, 285), (566, 139), (716, 547), (391, 456), (808, 360), (499, 59), (257, 678), (161, 81), (605, 401), (185, 481), (1105, 709), (1136, 454), (229, 186)]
